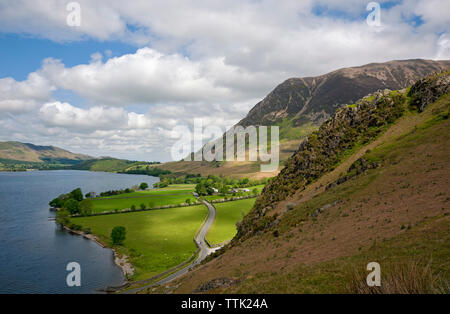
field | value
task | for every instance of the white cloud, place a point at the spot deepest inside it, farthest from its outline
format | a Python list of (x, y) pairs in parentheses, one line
[(17, 97), (146, 76), (96, 118), (195, 59)]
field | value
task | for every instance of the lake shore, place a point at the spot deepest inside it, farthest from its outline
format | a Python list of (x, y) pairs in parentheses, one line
[(120, 260)]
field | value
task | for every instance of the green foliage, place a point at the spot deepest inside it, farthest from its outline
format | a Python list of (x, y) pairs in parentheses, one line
[(150, 171), (206, 185), (143, 186), (71, 206), (162, 184), (77, 195), (62, 217), (85, 207), (118, 235), (57, 202)]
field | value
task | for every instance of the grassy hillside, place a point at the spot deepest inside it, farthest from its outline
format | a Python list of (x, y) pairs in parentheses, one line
[(114, 165), (22, 156), (370, 185), (34, 153)]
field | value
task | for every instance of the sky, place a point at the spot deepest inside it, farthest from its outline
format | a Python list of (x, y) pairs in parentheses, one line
[(120, 81)]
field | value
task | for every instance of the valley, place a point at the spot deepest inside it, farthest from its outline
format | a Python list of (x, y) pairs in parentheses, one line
[(383, 198)]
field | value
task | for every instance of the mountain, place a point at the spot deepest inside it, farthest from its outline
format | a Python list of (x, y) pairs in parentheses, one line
[(299, 106), (370, 185), (315, 99), (25, 152)]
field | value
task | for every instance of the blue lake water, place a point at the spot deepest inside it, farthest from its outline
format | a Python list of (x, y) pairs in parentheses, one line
[(34, 252)]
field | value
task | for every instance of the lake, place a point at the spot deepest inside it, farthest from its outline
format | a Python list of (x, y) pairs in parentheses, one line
[(34, 252)]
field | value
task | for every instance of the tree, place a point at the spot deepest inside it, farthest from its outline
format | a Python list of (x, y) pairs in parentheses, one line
[(71, 206), (77, 195), (143, 186), (201, 189), (62, 217), (57, 202), (142, 206), (255, 191), (223, 190), (118, 235), (188, 201), (133, 207), (85, 207)]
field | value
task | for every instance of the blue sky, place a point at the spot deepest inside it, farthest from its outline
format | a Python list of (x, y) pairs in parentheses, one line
[(22, 54), (121, 82)]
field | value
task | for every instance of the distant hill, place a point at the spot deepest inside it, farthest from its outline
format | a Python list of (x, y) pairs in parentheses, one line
[(109, 164), (26, 152)]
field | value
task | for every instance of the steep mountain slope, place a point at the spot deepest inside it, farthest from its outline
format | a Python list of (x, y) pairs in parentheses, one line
[(314, 99), (35, 153), (299, 105), (370, 185)]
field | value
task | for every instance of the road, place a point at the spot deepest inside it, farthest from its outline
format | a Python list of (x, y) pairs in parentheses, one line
[(205, 250)]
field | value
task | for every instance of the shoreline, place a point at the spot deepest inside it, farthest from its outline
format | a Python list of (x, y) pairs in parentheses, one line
[(121, 261)]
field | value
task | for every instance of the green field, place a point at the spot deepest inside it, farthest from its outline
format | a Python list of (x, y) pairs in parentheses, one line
[(228, 214), (172, 195), (156, 240)]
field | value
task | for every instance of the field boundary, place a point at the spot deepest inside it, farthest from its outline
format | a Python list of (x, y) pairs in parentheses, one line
[(128, 210)]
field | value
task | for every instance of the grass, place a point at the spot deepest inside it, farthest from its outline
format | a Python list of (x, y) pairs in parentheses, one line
[(413, 262), (228, 214), (171, 195), (155, 240)]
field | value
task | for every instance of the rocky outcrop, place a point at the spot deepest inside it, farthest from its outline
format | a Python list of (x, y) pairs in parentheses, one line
[(358, 167), (429, 89), (216, 283)]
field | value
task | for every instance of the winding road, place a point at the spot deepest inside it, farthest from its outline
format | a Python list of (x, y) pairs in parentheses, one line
[(205, 250)]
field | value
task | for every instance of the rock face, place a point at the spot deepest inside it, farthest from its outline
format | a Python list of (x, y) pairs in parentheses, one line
[(352, 125), (216, 283), (429, 89), (315, 99), (359, 166)]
